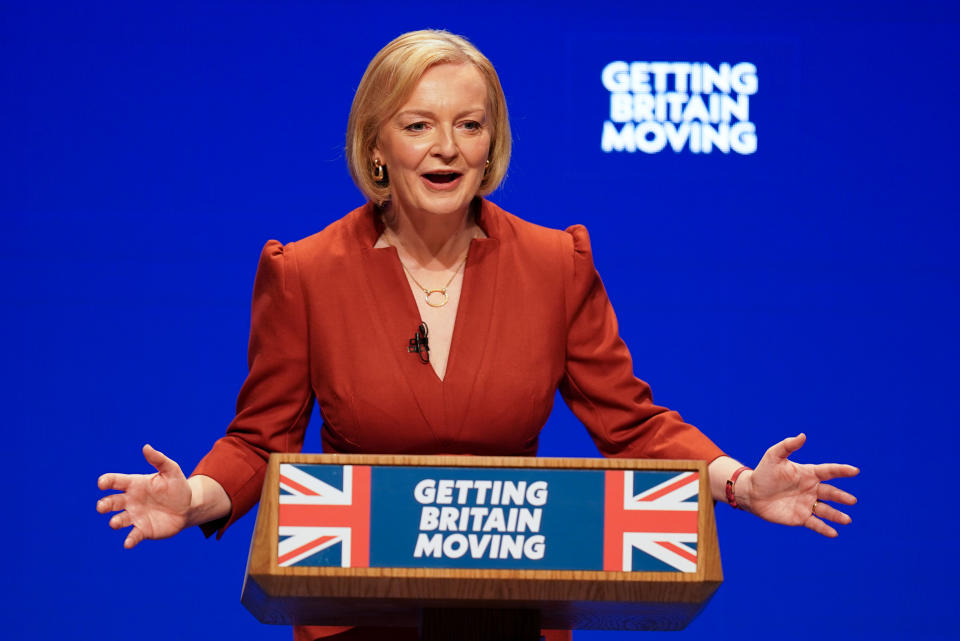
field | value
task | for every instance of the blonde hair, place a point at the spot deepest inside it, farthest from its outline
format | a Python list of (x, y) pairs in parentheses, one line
[(389, 80)]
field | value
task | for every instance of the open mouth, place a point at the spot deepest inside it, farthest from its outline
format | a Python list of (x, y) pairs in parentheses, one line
[(442, 178)]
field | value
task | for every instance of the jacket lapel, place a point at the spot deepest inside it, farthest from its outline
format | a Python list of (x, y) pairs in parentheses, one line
[(389, 301), (471, 332)]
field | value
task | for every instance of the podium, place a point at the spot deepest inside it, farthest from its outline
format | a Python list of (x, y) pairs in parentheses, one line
[(482, 547)]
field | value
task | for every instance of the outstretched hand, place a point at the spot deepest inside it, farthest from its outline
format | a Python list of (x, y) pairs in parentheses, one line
[(789, 493), (156, 505)]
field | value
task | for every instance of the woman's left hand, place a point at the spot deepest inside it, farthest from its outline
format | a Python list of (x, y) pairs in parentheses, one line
[(789, 493)]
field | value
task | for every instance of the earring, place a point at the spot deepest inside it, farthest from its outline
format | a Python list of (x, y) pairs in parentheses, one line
[(486, 167), (377, 171)]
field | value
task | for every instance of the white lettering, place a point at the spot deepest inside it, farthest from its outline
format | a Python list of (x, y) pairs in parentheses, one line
[(680, 72), (614, 76), (537, 493), (739, 108), (743, 138), (445, 492), (695, 106), (639, 77), (429, 518), (428, 546), (534, 547), (695, 110), (716, 79), (511, 546), (529, 520), (743, 78), (478, 514), (513, 492), (463, 490), (495, 521), (424, 492), (482, 487), (455, 546), (495, 494), (448, 519), (676, 100), (477, 546), (614, 140), (719, 138), (621, 107), (660, 71), (642, 107), (677, 136), (650, 145)]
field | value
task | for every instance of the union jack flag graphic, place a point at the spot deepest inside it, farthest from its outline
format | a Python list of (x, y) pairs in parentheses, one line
[(650, 521), (324, 515)]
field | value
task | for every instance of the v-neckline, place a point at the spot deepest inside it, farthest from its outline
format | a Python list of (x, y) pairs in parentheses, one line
[(414, 308), (391, 299)]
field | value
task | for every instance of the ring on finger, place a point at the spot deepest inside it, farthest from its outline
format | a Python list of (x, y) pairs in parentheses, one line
[(813, 510)]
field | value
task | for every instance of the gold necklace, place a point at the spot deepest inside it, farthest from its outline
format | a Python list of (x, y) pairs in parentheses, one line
[(428, 293)]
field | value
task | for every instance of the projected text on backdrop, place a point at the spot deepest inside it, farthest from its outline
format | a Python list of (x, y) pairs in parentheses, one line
[(691, 106)]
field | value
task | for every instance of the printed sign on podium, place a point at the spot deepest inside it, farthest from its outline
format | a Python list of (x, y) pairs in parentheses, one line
[(583, 543), (510, 518)]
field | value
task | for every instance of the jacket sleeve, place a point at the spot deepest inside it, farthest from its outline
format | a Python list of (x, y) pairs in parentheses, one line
[(598, 383), (276, 399)]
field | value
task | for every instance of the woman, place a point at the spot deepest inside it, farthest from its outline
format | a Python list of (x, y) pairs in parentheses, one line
[(510, 312)]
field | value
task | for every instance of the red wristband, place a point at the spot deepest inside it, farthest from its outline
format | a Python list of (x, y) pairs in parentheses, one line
[(731, 498)]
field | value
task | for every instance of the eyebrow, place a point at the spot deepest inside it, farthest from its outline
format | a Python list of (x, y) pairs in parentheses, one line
[(430, 114)]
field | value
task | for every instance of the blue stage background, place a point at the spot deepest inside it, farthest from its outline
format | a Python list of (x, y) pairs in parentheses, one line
[(150, 149)]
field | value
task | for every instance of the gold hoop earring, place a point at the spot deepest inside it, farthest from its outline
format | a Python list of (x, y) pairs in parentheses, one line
[(486, 167), (378, 173)]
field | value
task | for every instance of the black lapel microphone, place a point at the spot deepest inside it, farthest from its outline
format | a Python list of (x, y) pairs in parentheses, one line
[(419, 344)]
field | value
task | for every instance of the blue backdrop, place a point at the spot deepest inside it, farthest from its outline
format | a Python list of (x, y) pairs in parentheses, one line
[(150, 149)]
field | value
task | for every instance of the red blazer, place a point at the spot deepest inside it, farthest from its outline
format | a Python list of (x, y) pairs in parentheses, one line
[(332, 316)]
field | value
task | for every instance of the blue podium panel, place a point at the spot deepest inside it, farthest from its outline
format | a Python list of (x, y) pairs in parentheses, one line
[(487, 518)]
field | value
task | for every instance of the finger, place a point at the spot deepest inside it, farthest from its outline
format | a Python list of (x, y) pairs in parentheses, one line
[(111, 503), (133, 538), (819, 526), (827, 471), (120, 521), (827, 492), (787, 446), (114, 482), (824, 511), (160, 461)]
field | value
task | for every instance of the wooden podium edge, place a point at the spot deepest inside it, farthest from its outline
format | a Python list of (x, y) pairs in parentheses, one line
[(548, 590)]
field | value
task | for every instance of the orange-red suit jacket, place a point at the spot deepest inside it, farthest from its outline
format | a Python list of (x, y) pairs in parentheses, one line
[(332, 317)]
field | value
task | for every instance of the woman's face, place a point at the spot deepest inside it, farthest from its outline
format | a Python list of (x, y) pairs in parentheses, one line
[(435, 146)]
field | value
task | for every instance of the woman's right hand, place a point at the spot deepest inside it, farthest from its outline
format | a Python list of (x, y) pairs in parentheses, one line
[(156, 505)]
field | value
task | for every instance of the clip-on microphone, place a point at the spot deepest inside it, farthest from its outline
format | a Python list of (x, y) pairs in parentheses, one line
[(419, 344)]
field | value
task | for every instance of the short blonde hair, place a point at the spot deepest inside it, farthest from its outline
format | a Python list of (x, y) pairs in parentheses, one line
[(389, 80)]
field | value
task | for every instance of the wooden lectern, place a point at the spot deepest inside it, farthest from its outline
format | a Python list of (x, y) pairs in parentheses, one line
[(485, 548)]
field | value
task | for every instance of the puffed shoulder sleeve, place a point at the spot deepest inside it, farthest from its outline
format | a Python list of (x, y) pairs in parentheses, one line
[(274, 404), (598, 382)]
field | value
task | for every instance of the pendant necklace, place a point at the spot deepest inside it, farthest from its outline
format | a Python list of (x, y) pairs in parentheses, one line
[(433, 297)]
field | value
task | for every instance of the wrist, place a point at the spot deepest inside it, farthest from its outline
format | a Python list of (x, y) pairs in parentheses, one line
[(737, 488), (743, 490), (208, 501), (196, 507)]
